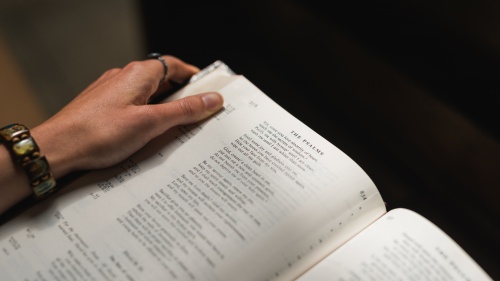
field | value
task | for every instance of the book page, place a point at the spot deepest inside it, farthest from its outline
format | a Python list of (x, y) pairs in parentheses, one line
[(402, 245), (250, 194)]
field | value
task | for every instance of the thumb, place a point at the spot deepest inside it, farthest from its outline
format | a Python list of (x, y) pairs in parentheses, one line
[(191, 109)]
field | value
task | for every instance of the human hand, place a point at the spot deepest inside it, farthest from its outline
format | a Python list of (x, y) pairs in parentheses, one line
[(111, 119)]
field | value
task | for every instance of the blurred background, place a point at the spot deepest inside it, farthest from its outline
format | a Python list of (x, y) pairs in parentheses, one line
[(409, 89)]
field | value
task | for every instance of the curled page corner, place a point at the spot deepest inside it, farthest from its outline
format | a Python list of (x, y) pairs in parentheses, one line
[(218, 64)]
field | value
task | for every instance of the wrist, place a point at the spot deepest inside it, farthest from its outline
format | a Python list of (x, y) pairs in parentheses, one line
[(49, 142), (24, 169)]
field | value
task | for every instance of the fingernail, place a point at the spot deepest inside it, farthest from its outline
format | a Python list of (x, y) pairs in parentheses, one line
[(212, 101)]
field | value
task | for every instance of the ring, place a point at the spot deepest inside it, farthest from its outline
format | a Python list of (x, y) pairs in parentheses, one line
[(159, 57)]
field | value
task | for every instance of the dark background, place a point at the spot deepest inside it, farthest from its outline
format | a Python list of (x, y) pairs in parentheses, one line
[(408, 89)]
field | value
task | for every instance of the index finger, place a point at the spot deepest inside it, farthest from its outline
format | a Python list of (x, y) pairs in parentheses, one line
[(178, 71)]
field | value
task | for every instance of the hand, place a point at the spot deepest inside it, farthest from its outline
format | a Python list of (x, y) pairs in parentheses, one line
[(111, 119)]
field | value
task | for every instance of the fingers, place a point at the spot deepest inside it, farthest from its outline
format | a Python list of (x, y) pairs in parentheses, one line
[(188, 110), (178, 72), (146, 75), (142, 78)]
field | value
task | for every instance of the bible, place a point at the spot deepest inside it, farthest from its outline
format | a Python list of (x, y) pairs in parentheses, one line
[(251, 193)]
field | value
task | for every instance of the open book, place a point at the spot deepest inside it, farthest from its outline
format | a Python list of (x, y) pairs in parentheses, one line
[(249, 194)]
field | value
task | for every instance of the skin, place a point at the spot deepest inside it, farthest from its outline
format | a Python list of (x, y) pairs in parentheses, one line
[(108, 122)]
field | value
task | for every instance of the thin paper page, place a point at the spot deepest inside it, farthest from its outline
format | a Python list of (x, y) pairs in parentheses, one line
[(250, 194), (402, 245)]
